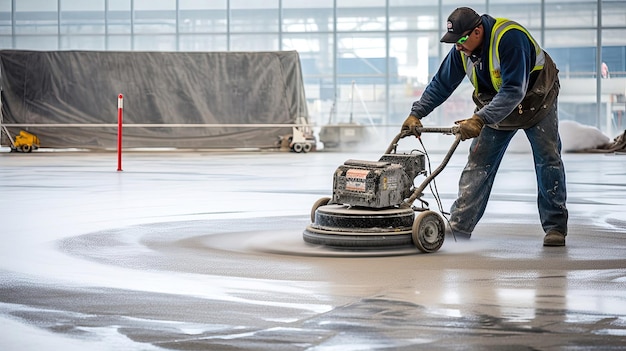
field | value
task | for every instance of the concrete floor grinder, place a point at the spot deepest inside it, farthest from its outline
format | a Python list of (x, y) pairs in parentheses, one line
[(372, 203)]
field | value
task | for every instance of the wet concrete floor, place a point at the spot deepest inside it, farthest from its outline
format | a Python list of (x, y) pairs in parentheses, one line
[(203, 251)]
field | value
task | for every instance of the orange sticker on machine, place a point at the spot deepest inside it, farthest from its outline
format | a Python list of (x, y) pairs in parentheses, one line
[(355, 179)]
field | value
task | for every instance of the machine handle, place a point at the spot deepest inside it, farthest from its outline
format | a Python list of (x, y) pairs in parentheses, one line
[(445, 130), (417, 192)]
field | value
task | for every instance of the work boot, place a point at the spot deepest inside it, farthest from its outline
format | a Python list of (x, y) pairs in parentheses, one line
[(554, 238)]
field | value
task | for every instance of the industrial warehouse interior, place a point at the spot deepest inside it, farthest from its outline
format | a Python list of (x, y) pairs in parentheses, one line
[(188, 175)]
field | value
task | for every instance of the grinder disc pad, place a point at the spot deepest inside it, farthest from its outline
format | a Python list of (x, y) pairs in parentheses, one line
[(352, 227)]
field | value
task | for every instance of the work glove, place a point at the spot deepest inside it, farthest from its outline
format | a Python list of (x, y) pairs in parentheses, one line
[(410, 126), (471, 127)]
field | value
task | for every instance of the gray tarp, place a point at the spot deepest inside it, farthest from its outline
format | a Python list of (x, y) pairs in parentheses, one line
[(76, 87)]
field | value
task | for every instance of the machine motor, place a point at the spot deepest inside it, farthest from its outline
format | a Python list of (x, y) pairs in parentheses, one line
[(377, 184)]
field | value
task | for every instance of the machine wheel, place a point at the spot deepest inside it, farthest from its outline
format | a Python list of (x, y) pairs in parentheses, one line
[(428, 231), (317, 204), (307, 147), (297, 147), (26, 148)]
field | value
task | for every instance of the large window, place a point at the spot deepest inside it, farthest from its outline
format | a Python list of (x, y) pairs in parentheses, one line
[(361, 59)]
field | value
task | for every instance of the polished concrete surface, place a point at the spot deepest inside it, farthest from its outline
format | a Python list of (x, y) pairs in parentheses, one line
[(203, 251)]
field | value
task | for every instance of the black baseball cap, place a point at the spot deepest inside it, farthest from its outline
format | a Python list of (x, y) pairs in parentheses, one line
[(460, 21)]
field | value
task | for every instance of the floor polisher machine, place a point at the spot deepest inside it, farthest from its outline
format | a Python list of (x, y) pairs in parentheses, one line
[(372, 202)]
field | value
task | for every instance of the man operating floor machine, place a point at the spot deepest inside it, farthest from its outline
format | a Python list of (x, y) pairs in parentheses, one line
[(372, 203)]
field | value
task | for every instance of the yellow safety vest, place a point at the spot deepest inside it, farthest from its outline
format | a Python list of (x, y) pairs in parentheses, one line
[(501, 26)]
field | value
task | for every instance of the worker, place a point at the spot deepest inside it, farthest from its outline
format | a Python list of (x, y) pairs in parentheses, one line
[(516, 87)]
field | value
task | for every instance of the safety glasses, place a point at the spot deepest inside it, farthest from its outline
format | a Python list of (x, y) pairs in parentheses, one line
[(462, 40)]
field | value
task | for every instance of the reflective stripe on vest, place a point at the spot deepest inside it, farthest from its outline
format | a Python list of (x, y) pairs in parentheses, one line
[(501, 26)]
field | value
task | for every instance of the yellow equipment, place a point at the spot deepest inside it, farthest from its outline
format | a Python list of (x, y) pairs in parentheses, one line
[(25, 142)]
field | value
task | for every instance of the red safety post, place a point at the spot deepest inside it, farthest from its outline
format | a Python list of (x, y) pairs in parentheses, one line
[(120, 107)]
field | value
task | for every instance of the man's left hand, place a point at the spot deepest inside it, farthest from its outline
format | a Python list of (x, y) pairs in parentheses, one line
[(471, 127)]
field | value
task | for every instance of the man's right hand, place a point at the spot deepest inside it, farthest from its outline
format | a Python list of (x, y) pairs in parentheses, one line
[(410, 126)]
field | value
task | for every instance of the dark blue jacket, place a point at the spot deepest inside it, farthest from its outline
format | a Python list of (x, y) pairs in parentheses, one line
[(517, 58)]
